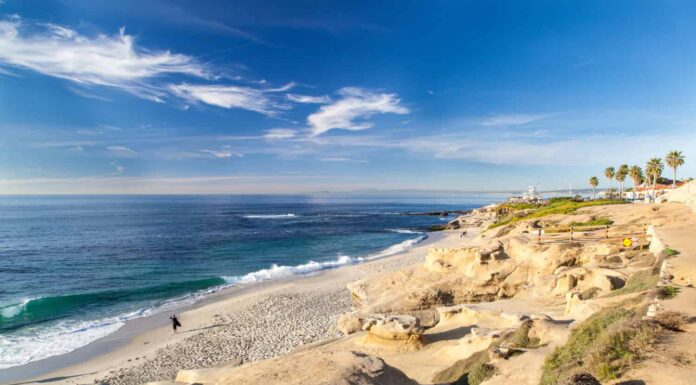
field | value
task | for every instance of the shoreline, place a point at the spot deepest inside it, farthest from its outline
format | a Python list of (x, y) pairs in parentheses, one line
[(140, 338)]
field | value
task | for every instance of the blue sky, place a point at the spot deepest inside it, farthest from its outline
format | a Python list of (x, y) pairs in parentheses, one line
[(299, 96)]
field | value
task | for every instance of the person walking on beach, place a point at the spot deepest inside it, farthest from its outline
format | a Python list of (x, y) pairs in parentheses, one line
[(175, 322)]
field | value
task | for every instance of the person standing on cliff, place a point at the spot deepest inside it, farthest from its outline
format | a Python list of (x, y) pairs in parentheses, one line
[(175, 322)]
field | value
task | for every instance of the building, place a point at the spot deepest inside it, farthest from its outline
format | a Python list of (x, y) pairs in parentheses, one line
[(645, 192)]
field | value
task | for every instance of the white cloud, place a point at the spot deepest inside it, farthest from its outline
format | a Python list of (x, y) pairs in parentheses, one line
[(76, 149), (309, 99), (512, 119), (121, 150), (119, 169), (225, 96), (221, 154), (350, 112), (280, 133), (342, 159), (112, 61)]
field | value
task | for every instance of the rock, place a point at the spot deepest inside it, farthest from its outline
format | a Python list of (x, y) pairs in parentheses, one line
[(349, 323), (581, 379), (317, 368), (503, 353), (565, 283), (393, 327)]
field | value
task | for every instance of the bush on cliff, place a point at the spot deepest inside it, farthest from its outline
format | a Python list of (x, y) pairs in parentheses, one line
[(561, 206), (605, 345)]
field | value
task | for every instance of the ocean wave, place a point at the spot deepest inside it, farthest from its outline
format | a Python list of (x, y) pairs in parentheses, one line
[(64, 337), (38, 310), (33, 342), (276, 271), (269, 216), (405, 231)]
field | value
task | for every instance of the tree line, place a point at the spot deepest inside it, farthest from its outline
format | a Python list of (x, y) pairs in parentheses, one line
[(649, 177)]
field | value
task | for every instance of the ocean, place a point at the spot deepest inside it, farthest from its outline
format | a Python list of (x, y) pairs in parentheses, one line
[(74, 268)]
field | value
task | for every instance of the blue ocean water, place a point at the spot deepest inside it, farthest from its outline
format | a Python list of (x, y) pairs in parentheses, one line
[(75, 268)]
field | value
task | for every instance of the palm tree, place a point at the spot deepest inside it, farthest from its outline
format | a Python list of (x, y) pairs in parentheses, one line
[(674, 159), (621, 175), (594, 182), (609, 173), (653, 170), (636, 175)]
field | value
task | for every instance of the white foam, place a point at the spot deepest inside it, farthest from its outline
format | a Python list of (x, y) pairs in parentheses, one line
[(280, 271), (405, 231), (33, 344), (14, 309), (269, 216), (64, 337)]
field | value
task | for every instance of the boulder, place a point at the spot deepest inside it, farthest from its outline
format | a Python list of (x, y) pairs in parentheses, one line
[(349, 323), (581, 379), (393, 327)]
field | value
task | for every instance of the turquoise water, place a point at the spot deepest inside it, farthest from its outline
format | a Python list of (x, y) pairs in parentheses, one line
[(74, 269)]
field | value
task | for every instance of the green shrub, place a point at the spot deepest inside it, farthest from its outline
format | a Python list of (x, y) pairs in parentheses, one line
[(459, 371), (479, 374), (640, 281), (605, 344), (557, 206), (594, 222), (670, 252), (667, 292), (520, 338)]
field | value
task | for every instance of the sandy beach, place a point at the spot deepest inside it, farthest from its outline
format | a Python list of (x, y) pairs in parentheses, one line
[(240, 324)]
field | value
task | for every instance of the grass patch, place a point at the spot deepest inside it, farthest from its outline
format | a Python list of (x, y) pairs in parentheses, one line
[(520, 338), (477, 368), (667, 292), (558, 206), (604, 345), (670, 252), (640, 281), (459, 371), (594, 222)]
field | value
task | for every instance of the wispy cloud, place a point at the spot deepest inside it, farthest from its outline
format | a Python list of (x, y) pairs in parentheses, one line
[(221, 154), (309, 99), (341, 159), (111, 61), (121, 150), (280, 133), (253, 99), (351, 110), (513, 119)]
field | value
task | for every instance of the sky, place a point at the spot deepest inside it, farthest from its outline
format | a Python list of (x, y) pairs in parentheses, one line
[(225, 97)]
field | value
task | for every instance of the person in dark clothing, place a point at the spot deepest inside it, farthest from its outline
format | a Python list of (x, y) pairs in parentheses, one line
[(175, 322)]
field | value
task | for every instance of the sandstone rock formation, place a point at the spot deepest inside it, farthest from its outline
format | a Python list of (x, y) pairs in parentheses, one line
[(317, 368)]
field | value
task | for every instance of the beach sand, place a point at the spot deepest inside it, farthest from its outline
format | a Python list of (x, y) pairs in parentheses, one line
[(244, 323)]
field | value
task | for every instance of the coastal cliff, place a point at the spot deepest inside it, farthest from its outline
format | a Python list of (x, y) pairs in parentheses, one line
[(502, 303)]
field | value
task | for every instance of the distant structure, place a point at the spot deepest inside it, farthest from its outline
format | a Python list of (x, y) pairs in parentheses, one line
[(644, 192), (531, 195)]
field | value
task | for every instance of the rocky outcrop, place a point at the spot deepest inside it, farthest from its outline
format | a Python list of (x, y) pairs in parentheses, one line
[(489, 270), (314, 367), (393, 327), (581, 379)]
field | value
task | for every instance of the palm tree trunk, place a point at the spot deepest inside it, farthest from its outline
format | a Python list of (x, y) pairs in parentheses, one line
[(674, 181)]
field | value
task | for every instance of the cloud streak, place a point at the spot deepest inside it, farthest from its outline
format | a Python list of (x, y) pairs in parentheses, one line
[(512, 119), (352, 109), (110, 61), (226, 96)]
